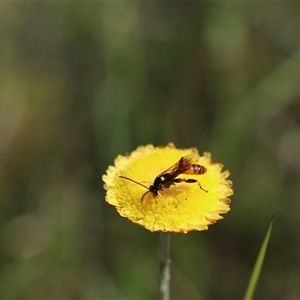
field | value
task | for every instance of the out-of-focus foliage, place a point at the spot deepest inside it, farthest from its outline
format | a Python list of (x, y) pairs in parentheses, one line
[(82, 82)]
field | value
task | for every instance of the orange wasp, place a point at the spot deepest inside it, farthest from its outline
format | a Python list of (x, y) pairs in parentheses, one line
[(185, 165)]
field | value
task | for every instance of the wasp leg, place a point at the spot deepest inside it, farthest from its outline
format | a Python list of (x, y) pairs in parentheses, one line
[(178, 180)]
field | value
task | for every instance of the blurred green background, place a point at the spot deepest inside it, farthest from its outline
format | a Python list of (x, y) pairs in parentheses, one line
[(82, 82)]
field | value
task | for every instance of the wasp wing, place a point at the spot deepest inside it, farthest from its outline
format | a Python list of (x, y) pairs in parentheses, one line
[(182, 165)]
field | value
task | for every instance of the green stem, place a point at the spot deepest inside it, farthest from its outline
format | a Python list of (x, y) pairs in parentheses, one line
[(164, 265)]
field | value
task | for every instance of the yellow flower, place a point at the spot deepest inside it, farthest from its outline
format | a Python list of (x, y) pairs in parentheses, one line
[(180, 207)]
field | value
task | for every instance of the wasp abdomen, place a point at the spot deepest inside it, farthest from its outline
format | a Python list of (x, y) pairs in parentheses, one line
[(196, 169)]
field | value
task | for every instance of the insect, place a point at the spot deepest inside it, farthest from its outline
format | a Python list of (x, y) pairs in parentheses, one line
[(185, 165)]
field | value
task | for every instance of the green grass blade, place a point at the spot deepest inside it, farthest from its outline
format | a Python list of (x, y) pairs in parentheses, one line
[(258, 265)]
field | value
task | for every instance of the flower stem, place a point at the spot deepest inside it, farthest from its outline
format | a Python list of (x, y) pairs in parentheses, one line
[(164, 265)]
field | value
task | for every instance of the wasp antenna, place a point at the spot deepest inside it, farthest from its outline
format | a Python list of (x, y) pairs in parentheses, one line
[(134, 182), (142, 199)]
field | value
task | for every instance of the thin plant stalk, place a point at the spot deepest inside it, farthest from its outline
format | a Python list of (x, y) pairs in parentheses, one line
[(258, 264), (164, 265)]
